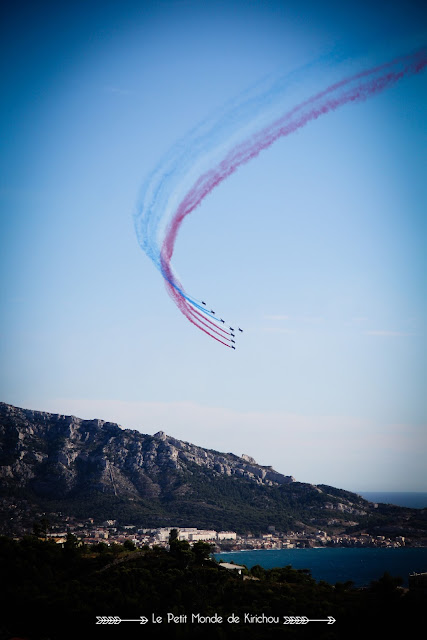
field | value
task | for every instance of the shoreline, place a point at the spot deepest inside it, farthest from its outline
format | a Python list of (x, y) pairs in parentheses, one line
[(322, 547)]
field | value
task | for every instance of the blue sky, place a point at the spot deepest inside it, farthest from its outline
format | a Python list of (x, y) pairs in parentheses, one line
[(316, 248)]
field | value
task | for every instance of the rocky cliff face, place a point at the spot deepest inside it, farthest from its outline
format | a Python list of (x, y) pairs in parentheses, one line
[(65, 465), (55, 455)]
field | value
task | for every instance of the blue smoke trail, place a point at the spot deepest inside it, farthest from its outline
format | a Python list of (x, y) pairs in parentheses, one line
[(238, 133), (175, 170)]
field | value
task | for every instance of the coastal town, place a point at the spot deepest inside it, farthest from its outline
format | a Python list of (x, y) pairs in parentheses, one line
[(110, 532)]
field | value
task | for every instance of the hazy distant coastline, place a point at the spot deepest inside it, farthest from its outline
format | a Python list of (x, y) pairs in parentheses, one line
[(412, 499)]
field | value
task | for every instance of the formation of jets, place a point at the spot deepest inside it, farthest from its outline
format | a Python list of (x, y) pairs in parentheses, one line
[(223, 322)]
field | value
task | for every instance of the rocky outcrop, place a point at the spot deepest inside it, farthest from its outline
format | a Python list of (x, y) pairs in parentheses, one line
[(55, 455), (67, 466)]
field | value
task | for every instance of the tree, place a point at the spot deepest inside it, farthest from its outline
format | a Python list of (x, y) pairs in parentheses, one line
[(179, 549), (129, 545), (258, 572), (70, 546), (201, 551), (387, 585), (40, 528), (173, 535)]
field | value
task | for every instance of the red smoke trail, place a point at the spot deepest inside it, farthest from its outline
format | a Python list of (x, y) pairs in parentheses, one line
[(319, 104), (227, 333), (182, 304), (210, 329)]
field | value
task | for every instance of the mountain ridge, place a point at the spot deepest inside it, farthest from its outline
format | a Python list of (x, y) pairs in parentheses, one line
[(54, 462), (84, 436)]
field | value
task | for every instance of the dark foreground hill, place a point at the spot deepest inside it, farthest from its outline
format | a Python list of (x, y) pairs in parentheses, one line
[(90, 468), (53, 593)]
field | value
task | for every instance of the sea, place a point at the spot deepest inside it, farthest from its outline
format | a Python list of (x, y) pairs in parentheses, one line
[(338, 564), (361, 565), (412, 499)]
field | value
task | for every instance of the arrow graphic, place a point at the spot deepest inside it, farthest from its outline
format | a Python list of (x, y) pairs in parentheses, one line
[(118, 620), (305, 620), (144, 620), (329, 620)]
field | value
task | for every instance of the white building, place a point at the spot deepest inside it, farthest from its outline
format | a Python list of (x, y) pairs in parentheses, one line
[(162, 535), (232, 567), (186, 533), (202, 535), (226, 535)]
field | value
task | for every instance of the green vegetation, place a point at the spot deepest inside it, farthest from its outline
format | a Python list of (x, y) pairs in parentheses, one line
[(227, 503), (60, 590), (91, 469)]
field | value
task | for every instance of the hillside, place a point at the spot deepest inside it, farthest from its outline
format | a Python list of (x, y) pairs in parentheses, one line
[(91, 468)]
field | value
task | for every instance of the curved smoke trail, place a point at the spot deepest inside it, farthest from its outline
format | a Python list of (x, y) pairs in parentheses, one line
[(157, 236)]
